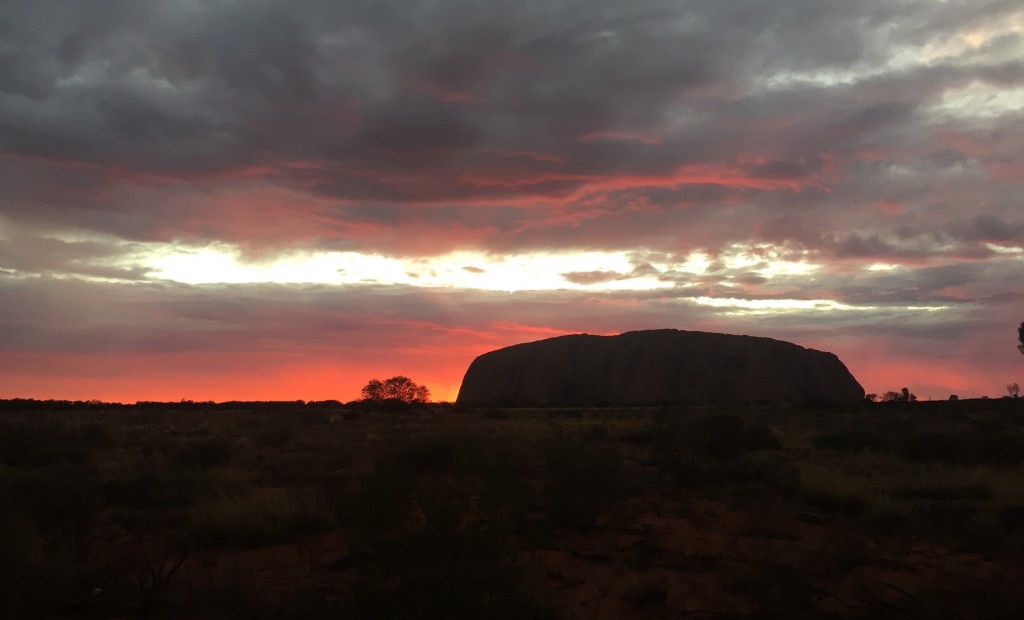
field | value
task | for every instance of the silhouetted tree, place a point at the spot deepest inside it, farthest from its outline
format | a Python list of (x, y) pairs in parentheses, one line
[(903, 396), (399, 388), (871, 398), (1014, 390), (1020, 338)]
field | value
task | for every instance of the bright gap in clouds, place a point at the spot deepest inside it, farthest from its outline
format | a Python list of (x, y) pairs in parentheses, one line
[(1006, 250), (763, 306), (474, 270), (775, 305), (539, 271)]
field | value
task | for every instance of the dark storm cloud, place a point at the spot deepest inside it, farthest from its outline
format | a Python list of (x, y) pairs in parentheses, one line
[(873, 246), (992, 228), (405, 95)]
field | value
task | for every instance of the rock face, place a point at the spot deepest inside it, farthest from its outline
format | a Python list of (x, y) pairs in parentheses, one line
[(657, 367)]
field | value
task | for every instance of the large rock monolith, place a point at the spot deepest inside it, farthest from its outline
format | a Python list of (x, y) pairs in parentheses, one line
[(656, 367)]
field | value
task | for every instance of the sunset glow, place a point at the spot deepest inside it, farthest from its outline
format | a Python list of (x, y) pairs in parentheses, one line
[(297, 197)]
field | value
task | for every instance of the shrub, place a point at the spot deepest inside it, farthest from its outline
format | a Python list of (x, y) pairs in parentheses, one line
[(154, 482), (998, 448), (261, 518), (310, 418), (945, 492), (443, 570), (496, 413), (726, 437), (21, 444), (46, 516), (37, 577), (934, 446), (759, 437), (446, 563), (988, 446), (503, 494), (670, 449), (836, 503), (683, 446), (889, 521), (593, 432), (646, 594), (205, 453), (640, 437), (433, 534), (276, 436), (58, 501), (92, 435), (851, 441), (1012, 517), (378, 504), (440, 452), (582, 481)]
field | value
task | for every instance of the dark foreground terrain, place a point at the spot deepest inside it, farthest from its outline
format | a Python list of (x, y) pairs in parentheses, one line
[(912, 511)]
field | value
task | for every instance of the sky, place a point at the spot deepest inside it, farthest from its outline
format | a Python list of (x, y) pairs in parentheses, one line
[(284, 199)]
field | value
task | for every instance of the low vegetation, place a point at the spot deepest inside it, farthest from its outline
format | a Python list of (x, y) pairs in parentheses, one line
[(903, 509)]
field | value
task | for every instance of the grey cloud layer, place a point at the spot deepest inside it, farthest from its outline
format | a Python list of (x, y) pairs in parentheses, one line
[(71, 319), (383, 104)]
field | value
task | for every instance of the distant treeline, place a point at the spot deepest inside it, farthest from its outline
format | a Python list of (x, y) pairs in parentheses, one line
[(31, 404)]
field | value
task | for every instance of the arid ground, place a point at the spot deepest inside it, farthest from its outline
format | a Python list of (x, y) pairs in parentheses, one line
[(909, 510)]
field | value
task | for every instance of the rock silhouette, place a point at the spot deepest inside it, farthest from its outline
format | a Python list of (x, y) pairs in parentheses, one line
[(656, 367)]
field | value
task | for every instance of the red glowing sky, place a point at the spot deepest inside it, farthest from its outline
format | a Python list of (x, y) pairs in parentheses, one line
[(297, 197)]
